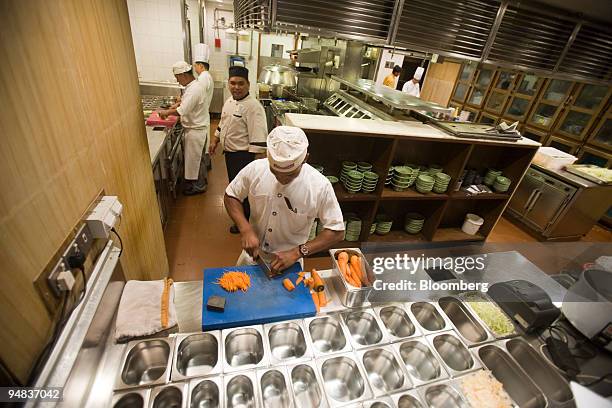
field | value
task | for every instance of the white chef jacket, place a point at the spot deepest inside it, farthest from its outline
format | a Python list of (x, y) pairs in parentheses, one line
[(207, 82), (242, 123), (278, 228), (412, 89), (193, 110)]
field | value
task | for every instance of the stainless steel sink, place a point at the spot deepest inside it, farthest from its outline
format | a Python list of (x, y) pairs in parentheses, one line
[(240, 391), (307, 391), (206, 393), (466, 324), (384, 371), (286, 341), (396, 321), (197, 355), (444, 396), (407, 400), (516, 382), (419, 361), (327, 335), (363, 328), (343, 380), (243, 348), (138, 398), (146, 362), (550, 382), (428, 316), (274, 388), (382, 402), (169, 396), (453, 352)]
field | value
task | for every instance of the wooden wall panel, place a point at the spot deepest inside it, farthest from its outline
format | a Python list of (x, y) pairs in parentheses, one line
[(439, 82), (71, 126)]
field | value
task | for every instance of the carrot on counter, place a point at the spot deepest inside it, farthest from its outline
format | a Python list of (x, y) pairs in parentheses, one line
[(300, 278), (343, 260), (309, 282), (234, 280), (318, 282), (351, 278), (322, 298), (288, 284), (315, 299), (356, 267)]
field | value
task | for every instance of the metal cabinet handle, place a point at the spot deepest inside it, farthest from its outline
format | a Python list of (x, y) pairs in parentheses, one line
[(535, 199), (529, 199)]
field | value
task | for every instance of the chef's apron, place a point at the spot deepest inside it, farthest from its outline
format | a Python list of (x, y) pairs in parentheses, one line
[(194, 142)]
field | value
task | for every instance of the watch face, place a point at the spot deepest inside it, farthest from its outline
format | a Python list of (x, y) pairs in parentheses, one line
[(303, 249)]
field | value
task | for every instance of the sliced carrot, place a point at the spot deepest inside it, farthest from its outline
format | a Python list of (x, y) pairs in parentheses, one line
[(322, 298), (234, 280), (318, 282), (356, 266), (288, 284), (315, 299), (300, 278)]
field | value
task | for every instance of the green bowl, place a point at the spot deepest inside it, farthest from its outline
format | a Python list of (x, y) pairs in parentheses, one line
[(423, 190), (349, 165), (442, 177), (403, 171), (332, 179), (425, 179), (502, 180)]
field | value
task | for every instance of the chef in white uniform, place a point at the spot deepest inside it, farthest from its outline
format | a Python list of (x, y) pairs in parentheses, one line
[(196, 122), (242, 130), (202, 68), (286, 195), (412, 87)]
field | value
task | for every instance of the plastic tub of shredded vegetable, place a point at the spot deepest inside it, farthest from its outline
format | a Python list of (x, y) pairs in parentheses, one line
[(490, 314)]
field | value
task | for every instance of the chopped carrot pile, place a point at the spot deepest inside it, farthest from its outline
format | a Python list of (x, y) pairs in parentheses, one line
[(234, 280)]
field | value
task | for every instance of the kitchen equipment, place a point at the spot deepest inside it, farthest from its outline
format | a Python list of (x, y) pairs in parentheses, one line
[(589, 172), (526, 303), (266, 301), (588, 306), (472, 224), (264, 260), (553, 159), (278, 77)]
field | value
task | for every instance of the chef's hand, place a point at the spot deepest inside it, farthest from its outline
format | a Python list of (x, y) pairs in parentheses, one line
[(283, 260), (163, 114), (214, 142), (250, 242)]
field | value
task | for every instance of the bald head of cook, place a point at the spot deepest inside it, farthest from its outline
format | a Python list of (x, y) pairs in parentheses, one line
[(287, 152)]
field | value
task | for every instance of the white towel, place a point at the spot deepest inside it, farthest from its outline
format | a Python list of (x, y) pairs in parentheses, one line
[(140, 309)]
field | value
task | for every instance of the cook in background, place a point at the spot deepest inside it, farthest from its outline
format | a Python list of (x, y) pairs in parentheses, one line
[(286, 195), (391, 79), (195, 121), (202, 68), (412, 87), (242, 129)]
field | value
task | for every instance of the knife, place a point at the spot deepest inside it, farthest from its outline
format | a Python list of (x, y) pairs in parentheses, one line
[(264, 260)]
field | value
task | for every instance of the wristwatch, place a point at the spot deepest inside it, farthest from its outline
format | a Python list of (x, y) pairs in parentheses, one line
[(304, 250)]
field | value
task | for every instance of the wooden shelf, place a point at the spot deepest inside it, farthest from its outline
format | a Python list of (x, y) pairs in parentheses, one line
[(455, 234), (461, 195), (343, 195), (397, 236), (411, 194)]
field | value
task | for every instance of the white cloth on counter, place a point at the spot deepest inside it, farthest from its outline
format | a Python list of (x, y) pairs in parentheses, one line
[(278, 227), (243, 122), (140, 309)]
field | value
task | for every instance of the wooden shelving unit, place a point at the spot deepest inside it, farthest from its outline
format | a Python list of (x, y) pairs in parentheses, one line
[(444, 213)]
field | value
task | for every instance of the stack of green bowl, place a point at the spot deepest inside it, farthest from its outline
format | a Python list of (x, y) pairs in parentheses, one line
[(353, 181), (332, 179), (353, 229), (424, 183), (313, 230), (346, 167), (403, 177), (389, 176), (383, 224), (373, 228), (491, 175), (318, 168), (364, 166), (434, 169), (370, 179), (414, 223), (319, 227), (441, 181), (501, 184)]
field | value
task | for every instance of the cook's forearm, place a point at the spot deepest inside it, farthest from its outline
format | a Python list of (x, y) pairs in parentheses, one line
[(234, 208), (324, 240)]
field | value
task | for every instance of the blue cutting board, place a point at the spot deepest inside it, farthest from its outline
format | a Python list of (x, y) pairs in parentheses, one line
[(266, 301)]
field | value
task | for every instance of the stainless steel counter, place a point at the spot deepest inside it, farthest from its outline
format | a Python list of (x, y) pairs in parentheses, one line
[(156, 140)]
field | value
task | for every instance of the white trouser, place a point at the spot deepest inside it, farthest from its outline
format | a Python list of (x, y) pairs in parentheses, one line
[(195, 141)]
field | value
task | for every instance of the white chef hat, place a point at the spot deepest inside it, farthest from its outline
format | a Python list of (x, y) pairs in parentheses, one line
[(180, 66), (201, 52), (418, 74), (287, 148)]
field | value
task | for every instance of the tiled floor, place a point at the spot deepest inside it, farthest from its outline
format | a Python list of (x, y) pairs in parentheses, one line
[(197, 235)]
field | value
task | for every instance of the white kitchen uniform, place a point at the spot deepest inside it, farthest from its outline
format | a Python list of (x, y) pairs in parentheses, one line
[(243, 122), (196, 121), (412, 89), (279, 228), (208, 84)]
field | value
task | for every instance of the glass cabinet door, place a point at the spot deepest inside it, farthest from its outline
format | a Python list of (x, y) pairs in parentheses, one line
[(562, 144), (518, 107), (486, 119), (603, 135), (557, 90), (593, 156), (529, 85), (466, 73), (460, 92), (496, 102), (544, 115), (536, 135), (591, 96), (484, 78), (477, 96), (505, 80), (575, 123)]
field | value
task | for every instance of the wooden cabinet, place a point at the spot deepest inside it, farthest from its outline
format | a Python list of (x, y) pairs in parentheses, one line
[(501, 89), (462, 87), (550, 103), (581, 112), (601, 137), (522, 97), (589, 155), (479, 90), (534, 134), (567, 146)]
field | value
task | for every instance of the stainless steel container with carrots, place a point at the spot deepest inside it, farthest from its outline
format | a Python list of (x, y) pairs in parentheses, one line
[(354, 276)]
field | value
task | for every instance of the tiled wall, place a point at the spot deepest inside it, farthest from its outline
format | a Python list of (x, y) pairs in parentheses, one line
[(158, 37)]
